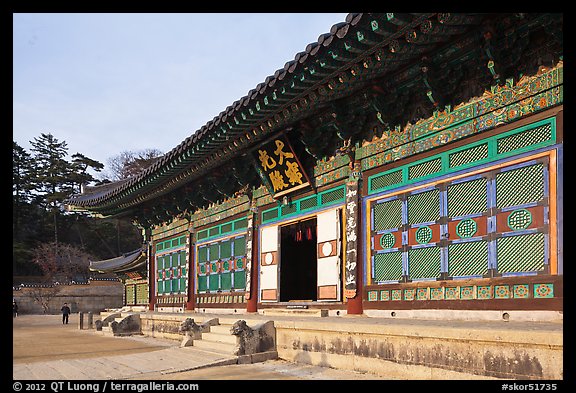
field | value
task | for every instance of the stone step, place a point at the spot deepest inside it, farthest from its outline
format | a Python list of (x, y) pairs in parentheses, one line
[(219, 337), (295, 312), (215, 346), (221, 329)]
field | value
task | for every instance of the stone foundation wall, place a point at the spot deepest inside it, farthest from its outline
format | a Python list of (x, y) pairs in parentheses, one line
[(407, 350), (423, 352), (95, 296)]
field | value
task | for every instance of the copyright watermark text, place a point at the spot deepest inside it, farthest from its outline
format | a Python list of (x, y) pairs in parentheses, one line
[(103, 386)]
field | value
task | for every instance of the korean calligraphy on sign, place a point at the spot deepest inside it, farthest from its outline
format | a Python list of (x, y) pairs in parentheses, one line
[(352, 231), (280, 166)]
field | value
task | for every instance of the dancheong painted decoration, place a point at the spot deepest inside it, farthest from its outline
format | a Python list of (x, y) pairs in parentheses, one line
[(401, 161)]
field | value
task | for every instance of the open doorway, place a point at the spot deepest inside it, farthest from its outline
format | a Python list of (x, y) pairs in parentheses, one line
[(298, 261)]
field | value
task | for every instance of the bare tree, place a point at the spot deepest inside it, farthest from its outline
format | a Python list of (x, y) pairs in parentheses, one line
[(43, 295), (129, 163), (65, 262)]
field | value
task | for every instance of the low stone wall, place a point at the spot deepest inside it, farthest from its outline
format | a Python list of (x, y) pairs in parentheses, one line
[(94, 296), (410, 349), (424, 350), (162, 325)]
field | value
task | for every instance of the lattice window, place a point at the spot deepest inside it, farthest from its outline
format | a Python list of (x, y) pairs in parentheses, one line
[(130, 291), (141, 293), (308, 203), (288, 209), (386, 180), (270, 215), (221, 265), (449, 229), (171, 266), (332, 195), (520, 186), (468, 259), (468, 197), (425, 168), (424, 207), (388, 266), (468, 156), (388, 215), (524, 139), (522, 253), (424, 262), (227, 227)]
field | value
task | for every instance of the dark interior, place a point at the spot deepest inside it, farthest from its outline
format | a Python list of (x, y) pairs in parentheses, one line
[(298, 261)]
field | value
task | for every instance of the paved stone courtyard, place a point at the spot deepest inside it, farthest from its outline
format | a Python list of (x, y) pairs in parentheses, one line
[(45, 349)]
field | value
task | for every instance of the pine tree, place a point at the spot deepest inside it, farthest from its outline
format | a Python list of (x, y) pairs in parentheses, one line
[(52, 175), (21, 185)]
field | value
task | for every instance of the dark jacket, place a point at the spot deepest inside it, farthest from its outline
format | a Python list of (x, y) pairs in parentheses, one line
[(65, 310)]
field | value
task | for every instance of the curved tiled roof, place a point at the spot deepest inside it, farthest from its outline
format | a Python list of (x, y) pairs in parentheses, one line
[(127, 262), (272, 103)]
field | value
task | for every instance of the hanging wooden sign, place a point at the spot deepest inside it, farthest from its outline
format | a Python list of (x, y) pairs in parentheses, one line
[(280, 166), (352, 201)]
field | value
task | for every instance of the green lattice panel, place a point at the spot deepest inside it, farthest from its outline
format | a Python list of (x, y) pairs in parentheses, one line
[(523, 139), (386, 180), (226, 281), (202, 234), (424, 207), (130, 290), (522, 253), (424, 262), (240, 279), (214, 251), (468, 156), (425, 168), (213, 282), (174, 260), (289, 209), (202, 254), (240, 246), (176, 285), (160, 286), (468, 259), (202, 283), (270, 215), (226, 227), (226, 249), (167, 286), (388, 215), (308, 203), (467, 197), (520, 186), (142, 293), (332, 195), (241, 224), (160, 263), (388, 266)]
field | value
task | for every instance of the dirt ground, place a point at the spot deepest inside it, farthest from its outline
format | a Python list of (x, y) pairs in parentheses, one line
[(38, 338), (42, 338)]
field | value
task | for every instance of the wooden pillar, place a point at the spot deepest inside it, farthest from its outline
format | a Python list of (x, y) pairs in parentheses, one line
[(352, 260), (190, 248), (252, 258), (151, 277)]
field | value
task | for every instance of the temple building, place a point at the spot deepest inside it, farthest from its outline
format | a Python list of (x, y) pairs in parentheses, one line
[(407, 161), (131, 269)]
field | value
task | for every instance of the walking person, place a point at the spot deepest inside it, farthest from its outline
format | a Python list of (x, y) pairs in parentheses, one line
[(65, 313), (14, 309)]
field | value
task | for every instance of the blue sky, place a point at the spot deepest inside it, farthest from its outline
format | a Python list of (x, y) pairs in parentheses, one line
[(111, 82)]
